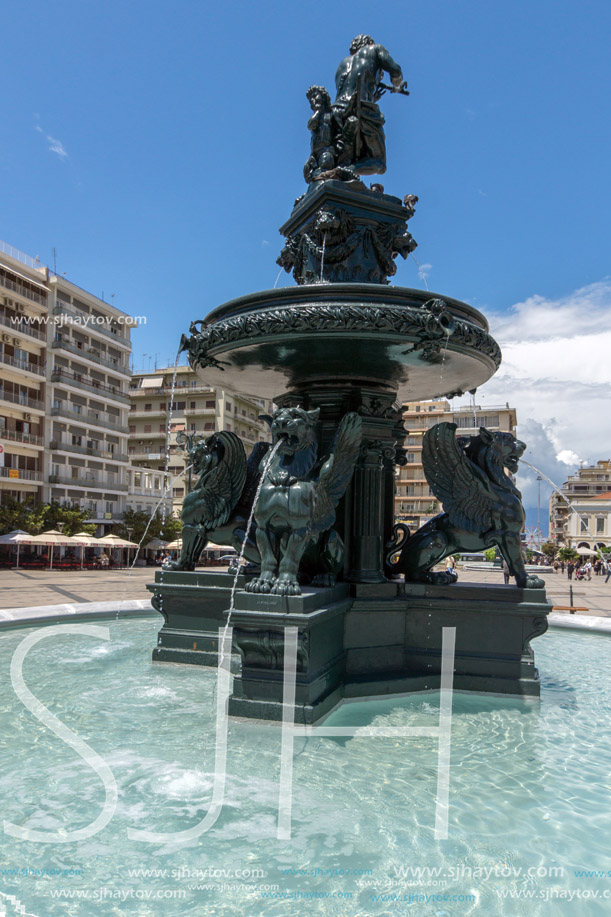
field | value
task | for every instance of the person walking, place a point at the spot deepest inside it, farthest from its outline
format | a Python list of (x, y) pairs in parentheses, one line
[(608, 571), (569, 569), (505, 569), (562, 565)]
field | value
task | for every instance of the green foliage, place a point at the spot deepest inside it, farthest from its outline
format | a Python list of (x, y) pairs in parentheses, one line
[(549, 549), (567, 554), (35, 518), (490, 554), (135, 523)]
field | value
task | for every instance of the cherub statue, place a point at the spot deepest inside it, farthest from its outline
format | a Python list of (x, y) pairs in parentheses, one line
[(221, 500), (483, 507), (322, 156), (299, 495)]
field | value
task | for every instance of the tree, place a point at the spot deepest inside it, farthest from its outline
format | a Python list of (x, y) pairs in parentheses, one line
[(567, 554), (35, 518), (490, 554), (549, 549), (135, 523)]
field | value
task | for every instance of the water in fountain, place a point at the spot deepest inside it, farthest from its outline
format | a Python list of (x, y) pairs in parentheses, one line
[(582, 519), (443, 355), (474, 406), (266, 464), (168, 481), (322, 257), (278, 278)]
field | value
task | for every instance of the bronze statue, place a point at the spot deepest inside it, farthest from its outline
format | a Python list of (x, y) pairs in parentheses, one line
[(220, 502), (358, 81), (321, 125), (483, 507), (299, 496)]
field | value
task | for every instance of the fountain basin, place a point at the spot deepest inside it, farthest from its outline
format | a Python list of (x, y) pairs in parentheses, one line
[(412, 343)]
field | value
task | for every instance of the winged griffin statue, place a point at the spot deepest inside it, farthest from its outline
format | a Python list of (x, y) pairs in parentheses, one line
[(299, 495), (482, 505), (219, 504)]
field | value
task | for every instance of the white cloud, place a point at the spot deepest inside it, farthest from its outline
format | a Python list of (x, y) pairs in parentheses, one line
[(56, 146), (556, 372)]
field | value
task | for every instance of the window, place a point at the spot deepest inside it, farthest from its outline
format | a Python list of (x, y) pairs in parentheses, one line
[(148, 407), (584, 526), (147, 427), (181, 406), (210, 404), (77, 440), (192, 403), (132, 428), (600, 525)]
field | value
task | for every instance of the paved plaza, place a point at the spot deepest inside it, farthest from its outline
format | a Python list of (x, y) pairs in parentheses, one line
[(19, 589)]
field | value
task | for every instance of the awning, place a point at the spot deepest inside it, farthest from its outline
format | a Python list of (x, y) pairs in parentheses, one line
[(147, 382)]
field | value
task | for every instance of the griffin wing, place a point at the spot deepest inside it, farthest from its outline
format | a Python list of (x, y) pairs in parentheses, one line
[(463, 488), (336, 472), (222, 486), (253, 475)]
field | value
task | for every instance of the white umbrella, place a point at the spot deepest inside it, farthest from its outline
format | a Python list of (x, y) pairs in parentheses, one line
[(52, 538), (113, 541), (175, 545), (17, 537), (585, 552), (85, 540)]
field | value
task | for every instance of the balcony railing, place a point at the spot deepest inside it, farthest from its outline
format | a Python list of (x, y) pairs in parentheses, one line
[(23, 365), (60, 445), (142, 415), (179, 392), (89, 353), (19, 474), (88, 385), (29, 439), (87, 322), (21, 400), (95, 418), (15, 324), (87, 483), (22, 291)]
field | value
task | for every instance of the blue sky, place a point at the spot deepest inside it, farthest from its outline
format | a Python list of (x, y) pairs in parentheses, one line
[(159, 146)]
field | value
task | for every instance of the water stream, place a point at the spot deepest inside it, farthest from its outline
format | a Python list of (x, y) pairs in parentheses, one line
[(322, 257), (267, 462), (420, 273)]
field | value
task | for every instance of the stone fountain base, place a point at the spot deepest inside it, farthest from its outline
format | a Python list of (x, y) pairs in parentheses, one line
[(354, 640)]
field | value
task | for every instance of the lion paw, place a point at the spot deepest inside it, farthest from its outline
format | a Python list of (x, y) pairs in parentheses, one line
[(534, 582), (260, 585), (286, 587)]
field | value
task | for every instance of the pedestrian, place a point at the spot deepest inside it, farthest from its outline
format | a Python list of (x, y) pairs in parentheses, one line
[(608, 571), (569, 569), (588, 570), (505, 569), (562, 565)]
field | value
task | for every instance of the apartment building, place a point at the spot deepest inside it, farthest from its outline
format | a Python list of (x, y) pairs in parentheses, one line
[(585, 520), (196, 408), (415, 503), (23, 355), (64, 391)]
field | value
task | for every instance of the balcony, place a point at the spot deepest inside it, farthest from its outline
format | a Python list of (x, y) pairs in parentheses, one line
[(84, 483), (58, 445), (143, 436), (22, 290), (28, 439), (142, 456), (143, 415), (17, 474), (22, 365), (94, 356), (89, 385), (30, 404), (90, 418), (16, 324), (86, 321), (179, 392)]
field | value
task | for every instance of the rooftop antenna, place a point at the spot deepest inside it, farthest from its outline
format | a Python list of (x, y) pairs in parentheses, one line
[(54, 260)]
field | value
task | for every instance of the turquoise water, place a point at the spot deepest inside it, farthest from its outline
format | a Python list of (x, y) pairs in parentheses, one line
[(529, 793)]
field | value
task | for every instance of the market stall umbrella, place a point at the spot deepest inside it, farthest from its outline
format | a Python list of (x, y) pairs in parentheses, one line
[(175, 545), (52, 538), (211, 546), (114, 541), (585, 552), (86, 541), (17, 537), (155, 543)]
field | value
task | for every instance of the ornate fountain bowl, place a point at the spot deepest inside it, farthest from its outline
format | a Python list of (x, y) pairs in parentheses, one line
[(416, 343)]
